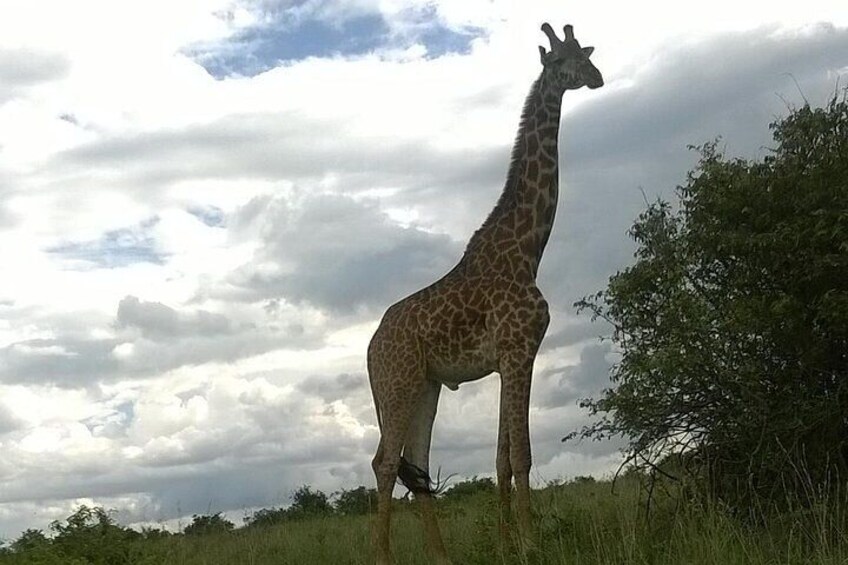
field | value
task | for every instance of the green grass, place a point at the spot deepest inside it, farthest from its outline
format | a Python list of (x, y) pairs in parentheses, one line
[(577, 523)]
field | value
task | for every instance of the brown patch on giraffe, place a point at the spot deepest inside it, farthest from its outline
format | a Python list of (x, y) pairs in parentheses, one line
[(533, 170), (546, 161), (532, 144)]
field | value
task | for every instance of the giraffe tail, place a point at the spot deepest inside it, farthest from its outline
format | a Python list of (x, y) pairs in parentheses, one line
[(411, 476), (418, 481)]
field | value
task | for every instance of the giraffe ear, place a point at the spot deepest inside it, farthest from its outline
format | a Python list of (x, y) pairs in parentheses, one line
[(588, 51), (542, 54)]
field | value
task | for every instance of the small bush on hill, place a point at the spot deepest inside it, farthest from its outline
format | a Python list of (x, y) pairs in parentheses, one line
[(204, 525), (469, 487), (360, 500)]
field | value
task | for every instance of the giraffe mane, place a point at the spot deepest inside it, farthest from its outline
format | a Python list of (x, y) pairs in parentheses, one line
[(507, 198)]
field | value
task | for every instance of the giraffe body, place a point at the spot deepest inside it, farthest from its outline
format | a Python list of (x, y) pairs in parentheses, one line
[(486, 315), (455, 340)]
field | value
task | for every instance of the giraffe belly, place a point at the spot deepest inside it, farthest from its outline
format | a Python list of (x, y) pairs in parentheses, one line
[(453, 370)]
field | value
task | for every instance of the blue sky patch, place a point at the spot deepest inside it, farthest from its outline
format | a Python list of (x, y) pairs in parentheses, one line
[(437, 38), (442, 40), (115, 249), (212, 216), (257, 49)]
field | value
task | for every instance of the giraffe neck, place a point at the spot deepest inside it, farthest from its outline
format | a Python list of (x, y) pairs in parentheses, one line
[(514, 235)]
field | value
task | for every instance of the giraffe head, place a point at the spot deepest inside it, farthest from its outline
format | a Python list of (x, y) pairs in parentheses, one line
[(568, 63)]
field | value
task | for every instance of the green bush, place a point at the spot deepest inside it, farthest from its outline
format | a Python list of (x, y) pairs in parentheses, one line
[(469, 487), (307, 502), (732, 324), (360, 500), (205, 525)]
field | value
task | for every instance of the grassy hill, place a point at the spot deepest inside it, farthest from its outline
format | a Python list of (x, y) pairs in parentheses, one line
[(582, 522)]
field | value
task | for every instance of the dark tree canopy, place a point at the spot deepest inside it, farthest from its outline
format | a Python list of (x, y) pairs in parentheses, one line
[(202, 525), (469, 487), (360, 500), (732, 324), (309, 502)]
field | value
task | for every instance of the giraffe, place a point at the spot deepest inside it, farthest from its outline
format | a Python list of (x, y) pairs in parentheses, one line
[(485, 315)]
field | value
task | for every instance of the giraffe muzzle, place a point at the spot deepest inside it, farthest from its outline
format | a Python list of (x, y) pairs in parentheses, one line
[(595, 81)]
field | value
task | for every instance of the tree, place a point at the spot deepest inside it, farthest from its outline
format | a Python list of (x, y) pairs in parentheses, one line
[(360, 500), (732, 324), (30, 540), (90, 535), (32, 546), (211, 524), (266, 517), (470, 487), (308, 502), (154, 533)]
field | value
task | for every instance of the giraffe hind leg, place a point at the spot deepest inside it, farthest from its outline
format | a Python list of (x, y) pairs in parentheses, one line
[(414, 468), (395, 414), (504, 472)]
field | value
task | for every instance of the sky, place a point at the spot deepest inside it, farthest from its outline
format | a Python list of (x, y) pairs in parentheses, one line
[(207, 205)]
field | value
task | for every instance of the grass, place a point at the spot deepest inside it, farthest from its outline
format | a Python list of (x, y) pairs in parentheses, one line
[(577, 523)]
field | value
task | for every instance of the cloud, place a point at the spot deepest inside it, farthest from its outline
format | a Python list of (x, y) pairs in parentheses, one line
[(8, 421), (158, 322), (335, 388), (565, 385), (340, 254), (264, 440), (146, 339), (285, 146), (575, 330), (24, 68), (68, 361)]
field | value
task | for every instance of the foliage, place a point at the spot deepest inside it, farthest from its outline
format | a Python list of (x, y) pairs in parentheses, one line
[(92, 535), (89, 535), (265, 517), (469, 487), (148, 532), (360, 500), (32, 546), (30, 540), (309, 502), (208, 524), (733, 322)]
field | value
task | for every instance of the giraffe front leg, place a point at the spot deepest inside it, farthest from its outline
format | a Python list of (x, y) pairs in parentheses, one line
[(516, 376)]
